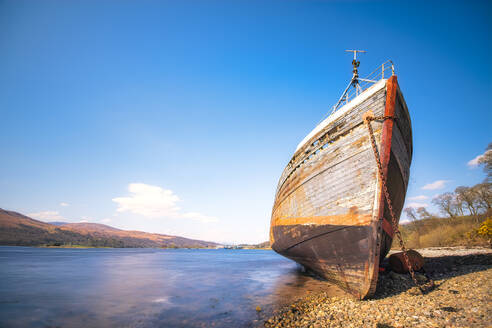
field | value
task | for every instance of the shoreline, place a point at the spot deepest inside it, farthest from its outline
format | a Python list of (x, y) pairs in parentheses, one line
[(108, 247), (460, 299)]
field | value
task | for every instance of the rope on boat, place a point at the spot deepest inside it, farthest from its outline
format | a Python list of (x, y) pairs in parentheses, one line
[(368, 117)]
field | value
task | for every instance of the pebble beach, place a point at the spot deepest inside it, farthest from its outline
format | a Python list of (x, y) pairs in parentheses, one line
[(462, 297)]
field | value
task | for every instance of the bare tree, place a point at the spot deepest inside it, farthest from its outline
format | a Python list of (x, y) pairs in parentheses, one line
[(423, 213), (412, 215), (446, 203), (410, 212), (469, 197), (483, 192), (458, 204)]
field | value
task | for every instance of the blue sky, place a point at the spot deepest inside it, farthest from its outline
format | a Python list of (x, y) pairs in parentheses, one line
[(111, 107)]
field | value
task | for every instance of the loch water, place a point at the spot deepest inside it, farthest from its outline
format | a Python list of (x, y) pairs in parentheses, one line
[(46, 287)]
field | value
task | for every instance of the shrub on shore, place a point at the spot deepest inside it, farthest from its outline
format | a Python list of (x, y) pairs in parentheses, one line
[(457, 231)]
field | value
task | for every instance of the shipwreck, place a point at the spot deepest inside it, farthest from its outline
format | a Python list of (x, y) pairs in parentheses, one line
[(335, 198)]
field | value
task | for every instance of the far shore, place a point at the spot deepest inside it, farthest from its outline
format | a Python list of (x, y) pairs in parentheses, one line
[(106, 247)]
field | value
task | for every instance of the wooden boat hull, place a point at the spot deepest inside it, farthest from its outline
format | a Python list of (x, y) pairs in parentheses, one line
[(329, 212)]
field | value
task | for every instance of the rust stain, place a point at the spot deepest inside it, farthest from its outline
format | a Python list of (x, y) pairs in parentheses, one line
[(391, 88), (272, 238), (366, 271), (349, 219), (353, 210), (387, 227), (360, 142), (384, 156)]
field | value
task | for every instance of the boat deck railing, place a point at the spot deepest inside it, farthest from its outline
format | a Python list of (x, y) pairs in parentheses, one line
[(385, 70)]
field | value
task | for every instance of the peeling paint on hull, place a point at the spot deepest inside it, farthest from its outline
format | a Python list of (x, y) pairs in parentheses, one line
[(329, 212)]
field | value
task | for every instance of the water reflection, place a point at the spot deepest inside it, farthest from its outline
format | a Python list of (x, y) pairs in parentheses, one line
[(146, 287)]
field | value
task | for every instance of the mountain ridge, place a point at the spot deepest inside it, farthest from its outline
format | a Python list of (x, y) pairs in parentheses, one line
[(17, 229)]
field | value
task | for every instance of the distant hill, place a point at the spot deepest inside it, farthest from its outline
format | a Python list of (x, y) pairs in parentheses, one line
[(21, 230), (263, 245)]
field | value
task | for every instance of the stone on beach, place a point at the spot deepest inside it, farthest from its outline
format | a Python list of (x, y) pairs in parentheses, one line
[(399, 265)]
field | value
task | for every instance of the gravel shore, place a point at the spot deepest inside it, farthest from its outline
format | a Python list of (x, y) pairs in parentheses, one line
[(461, 298)]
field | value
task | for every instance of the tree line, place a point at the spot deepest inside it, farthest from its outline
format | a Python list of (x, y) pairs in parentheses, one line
[(465, 220), (474, 200)]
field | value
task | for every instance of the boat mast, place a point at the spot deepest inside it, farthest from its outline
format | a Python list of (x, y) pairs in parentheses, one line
[(354, 82)]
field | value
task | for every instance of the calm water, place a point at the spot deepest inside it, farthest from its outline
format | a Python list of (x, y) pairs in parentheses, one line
[(145, 287)]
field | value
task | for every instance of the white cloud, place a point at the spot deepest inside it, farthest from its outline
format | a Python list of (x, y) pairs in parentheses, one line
[(420, 197), (474, 162), (64, 204), (155, 202), (439, 184), (47, 216), (84, 219), (107, 220), (149, 201), (417, 205)]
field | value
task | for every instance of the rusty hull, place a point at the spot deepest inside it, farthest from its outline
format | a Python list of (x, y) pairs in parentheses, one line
[(329, 212)]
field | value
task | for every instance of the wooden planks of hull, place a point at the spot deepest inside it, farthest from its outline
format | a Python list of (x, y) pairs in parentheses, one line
[(329, 213)]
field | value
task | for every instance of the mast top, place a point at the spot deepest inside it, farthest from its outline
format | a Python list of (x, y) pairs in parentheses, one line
[(355, 52), (355, 64)]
